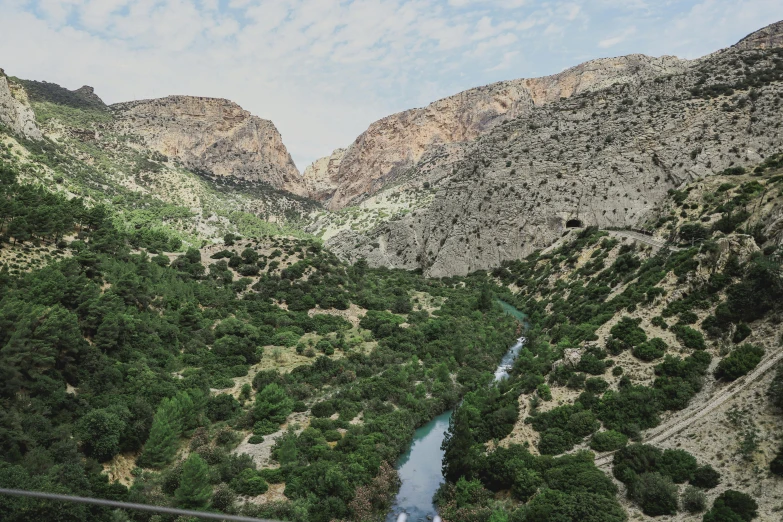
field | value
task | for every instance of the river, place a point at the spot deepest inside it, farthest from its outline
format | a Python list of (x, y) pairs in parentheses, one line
[(420, 467)]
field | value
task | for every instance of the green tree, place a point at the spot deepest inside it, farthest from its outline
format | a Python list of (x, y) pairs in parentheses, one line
[(99, 432), (194, 490), (161, 445), (656, 494), (272, 404)]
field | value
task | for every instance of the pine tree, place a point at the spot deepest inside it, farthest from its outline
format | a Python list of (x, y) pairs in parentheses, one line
[(161, 445), (194, 490)]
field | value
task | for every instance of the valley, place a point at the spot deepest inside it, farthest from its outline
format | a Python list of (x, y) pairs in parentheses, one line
[(187, 321)]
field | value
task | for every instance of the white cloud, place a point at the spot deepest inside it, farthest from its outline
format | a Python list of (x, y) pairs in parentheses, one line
[(614, 40), (322, 70)]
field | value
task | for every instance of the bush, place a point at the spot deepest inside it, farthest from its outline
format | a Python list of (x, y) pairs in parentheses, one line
[(596, 385), (609, 440), (544, 392), (629, 332), (582, 424), (741, 333), (649, 351), (689, 337), (694, 500), (656, 494), (678, 464), (739, 362), (250, 483), (255, 439), (732, 506), (555, 441), (705, 477)]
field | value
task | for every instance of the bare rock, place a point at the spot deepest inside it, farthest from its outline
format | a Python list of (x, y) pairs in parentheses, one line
[(15, 111), (767, 38), (214, 136)]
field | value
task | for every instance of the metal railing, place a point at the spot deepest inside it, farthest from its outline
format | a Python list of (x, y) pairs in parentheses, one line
[(129, 505)]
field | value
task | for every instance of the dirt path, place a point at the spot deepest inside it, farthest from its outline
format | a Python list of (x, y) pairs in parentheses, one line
[(655, 243), (700, 409)]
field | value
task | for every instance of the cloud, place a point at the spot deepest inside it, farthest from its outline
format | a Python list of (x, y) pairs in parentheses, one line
[(614, 40), (323, 70)]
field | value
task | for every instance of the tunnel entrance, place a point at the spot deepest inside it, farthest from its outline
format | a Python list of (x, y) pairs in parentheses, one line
[(574, 223)]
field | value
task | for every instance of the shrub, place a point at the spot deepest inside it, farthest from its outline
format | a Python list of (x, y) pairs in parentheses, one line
[(544, 392), (741, 333), (739, 362), (629, 332), (255, 439), (678, 464), (250, 483), (555, 441), (705, 477), (689, 337), (596, 385), (582, 424), (656, 494), (591, 364), (694, 500), (609, 440), (732, 506), (649, 351), (577, 381)]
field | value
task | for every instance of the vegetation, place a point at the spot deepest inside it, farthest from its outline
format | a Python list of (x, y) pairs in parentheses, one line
[(140, 343)]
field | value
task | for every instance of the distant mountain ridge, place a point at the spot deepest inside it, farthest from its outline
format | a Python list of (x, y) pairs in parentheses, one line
[(601, 144)]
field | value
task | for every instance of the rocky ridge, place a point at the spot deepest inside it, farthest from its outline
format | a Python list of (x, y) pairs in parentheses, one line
[(604, 154), (15, 111), (212, 136), (438, 133)]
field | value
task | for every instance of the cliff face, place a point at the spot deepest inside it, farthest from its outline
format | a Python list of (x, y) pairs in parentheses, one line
[(767, 38), (395, 144), (214, 136), (15, 111), (602, 144)]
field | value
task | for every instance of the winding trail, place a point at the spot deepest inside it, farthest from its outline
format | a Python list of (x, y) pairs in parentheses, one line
[(698, 409), (648, 240)]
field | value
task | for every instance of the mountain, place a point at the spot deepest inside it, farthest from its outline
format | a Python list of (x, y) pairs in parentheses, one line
[(15, 112), (392, 145), (214, 136), (601, 144), (186, 167)]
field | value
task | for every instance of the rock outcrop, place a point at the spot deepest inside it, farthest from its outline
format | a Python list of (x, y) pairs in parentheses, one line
[(322, 176), (15, 111), (213, 136), (767, 38), (395, 144), (603, 151)]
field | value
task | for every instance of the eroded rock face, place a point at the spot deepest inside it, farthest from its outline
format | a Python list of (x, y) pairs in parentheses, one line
[(15, 112), (767, 38), (419, 137), (606, 157), (322, 176), (214, 136)]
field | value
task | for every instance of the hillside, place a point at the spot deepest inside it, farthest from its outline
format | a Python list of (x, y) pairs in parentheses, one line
[(604, 156), (192, 169), (639, 345)]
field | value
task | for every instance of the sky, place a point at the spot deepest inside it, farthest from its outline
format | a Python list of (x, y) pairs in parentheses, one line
[(323, 70)]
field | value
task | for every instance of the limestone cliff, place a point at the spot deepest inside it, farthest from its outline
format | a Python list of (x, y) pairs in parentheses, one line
[(213, 136), (603, 150), (15, 111), (767, 38), (398, 142)]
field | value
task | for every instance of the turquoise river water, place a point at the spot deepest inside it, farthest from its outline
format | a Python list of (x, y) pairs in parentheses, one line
[(420, 467)]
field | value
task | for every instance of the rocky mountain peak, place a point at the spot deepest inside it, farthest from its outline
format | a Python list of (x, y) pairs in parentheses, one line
[(214, 136), (766, 38)]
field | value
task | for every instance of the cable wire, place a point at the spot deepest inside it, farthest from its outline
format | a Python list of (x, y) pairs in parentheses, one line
[(129, 505)]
